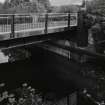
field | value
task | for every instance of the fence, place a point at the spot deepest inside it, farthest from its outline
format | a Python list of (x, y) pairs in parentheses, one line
[(18, 23)]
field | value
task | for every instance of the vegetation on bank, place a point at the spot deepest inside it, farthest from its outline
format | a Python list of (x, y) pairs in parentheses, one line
[(23, 95)]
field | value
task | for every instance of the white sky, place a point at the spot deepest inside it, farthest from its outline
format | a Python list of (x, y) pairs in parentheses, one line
[(2, 1), (60, 2), (65, 2)]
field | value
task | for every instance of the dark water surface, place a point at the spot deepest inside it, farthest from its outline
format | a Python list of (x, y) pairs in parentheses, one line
[(48, 72), (44, 70)]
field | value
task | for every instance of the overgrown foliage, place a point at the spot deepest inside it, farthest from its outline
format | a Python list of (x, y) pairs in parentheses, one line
[(96, 7), (24, 6)]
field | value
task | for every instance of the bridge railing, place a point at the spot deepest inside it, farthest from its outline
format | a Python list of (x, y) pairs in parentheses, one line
[(5, 23), (20, 23)]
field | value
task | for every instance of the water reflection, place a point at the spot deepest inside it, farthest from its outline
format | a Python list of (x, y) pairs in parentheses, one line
[(3, 58), (12, 55)]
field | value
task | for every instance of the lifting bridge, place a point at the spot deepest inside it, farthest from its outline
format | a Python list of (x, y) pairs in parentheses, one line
[(17, 30)]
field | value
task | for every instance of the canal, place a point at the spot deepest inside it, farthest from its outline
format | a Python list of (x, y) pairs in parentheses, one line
[(44, 70), (38, 66)]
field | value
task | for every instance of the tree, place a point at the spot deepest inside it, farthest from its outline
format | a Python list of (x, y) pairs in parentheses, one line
[(96, 6), (25, 6)]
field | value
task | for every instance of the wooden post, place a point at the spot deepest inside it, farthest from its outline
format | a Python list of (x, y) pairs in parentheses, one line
[(69, 20), (46, 23), (12, 35)]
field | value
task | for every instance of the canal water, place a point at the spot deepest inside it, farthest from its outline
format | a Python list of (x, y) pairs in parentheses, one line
[(44, 70), (36, 67), (33, 65)]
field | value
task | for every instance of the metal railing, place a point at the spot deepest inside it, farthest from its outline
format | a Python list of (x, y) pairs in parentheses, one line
[(20, 23)]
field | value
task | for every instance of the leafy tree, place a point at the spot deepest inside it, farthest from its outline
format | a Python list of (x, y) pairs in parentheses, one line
[(25, 6), (96, 6), (65, 9)]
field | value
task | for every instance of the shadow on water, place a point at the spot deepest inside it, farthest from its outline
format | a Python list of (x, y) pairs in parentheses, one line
[(35, 70), (16, 68), (43, 70)]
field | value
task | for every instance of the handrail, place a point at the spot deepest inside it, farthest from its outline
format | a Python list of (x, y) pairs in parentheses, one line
[(14, 22)]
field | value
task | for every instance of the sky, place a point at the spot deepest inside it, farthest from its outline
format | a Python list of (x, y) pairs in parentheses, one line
[(65, 2), (2, 1), (60, 2)]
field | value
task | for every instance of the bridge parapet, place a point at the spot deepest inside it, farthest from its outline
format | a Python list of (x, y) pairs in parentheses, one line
[(15, 24)]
